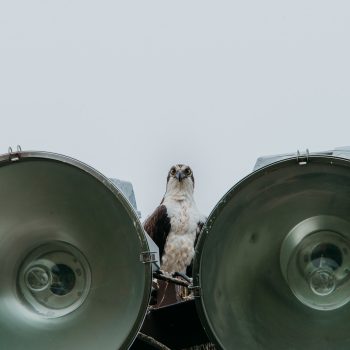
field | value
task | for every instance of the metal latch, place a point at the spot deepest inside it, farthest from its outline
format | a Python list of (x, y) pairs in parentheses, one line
[(196, 290), (14, 156), (148, 257), (303, 158)]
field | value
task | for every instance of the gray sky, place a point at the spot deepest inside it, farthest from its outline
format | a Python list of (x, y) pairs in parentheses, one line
[(133, 87)]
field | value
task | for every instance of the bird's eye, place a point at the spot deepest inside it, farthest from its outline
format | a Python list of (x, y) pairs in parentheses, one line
[(173, 171), (188, 172)]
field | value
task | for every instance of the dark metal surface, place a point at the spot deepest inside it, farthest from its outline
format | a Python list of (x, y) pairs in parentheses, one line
[(177, 326)]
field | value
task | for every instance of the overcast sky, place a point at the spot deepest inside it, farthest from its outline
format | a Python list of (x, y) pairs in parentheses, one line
[(134, 87)]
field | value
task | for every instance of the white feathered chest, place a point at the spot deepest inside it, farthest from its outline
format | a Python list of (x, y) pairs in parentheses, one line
[(179, 246), (176, 222)]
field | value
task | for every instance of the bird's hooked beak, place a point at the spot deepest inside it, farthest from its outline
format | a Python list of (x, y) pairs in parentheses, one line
[(180, 175)]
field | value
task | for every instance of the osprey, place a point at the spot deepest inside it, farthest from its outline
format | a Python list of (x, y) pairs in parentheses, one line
[(175, 224)]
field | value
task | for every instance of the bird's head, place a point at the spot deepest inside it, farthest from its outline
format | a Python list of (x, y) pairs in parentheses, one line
[(180, 177)]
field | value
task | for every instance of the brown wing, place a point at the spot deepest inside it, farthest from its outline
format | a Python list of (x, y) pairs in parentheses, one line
[(200, 225), (158, 227)]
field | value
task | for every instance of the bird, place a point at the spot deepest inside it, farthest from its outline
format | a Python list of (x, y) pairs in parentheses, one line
[(176, 223)]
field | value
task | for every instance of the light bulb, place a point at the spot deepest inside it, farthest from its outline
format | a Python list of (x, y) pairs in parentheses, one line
[(315, 262)]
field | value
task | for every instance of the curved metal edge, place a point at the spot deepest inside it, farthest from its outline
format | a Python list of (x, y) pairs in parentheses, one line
[(330, 160), (6, 159)]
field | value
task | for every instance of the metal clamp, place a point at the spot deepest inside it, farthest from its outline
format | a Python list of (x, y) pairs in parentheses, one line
[(303, 158), (14, 156), (196, 290), (148, 257)]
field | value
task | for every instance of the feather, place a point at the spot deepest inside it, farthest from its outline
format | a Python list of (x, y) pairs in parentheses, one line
[(157, 225), (199, 230)]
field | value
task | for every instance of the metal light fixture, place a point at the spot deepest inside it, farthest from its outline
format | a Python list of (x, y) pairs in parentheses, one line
[(272, 264), (70, 267)]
